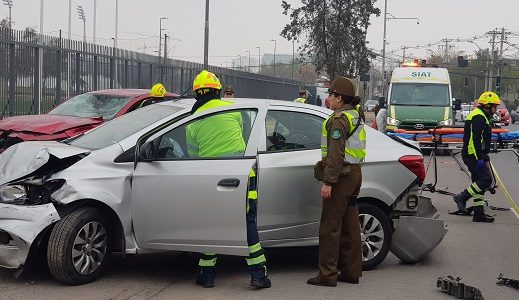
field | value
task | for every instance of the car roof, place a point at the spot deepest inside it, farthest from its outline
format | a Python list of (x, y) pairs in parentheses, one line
[(126, 92), (188, 103)]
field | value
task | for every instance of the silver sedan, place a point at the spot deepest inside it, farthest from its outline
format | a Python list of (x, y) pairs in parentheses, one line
[(131, 186)]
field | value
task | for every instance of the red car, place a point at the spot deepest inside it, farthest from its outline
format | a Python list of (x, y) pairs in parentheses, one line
[(74, 116), (504, 113)]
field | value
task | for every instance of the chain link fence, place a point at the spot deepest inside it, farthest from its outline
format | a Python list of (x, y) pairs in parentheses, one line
[(38, 72)]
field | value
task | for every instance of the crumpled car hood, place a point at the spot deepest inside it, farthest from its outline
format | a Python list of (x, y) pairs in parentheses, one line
[(46, 124), (23, 159)]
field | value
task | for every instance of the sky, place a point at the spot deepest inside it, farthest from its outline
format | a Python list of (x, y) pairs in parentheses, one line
[(238, 26)]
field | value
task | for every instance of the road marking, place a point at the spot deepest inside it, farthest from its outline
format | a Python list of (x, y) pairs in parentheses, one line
[(514, 207)]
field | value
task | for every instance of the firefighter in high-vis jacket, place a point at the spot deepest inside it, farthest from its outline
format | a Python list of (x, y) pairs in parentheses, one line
[(219, 136), (343, 150), (476, 147)]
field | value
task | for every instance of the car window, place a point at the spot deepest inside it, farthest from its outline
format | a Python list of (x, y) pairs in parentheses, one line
[(287, 130), (92, 105), (118, 129), (219, 135)]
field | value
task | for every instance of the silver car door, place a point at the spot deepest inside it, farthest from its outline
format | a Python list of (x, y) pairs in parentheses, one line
[(289, 201), (195, 204)]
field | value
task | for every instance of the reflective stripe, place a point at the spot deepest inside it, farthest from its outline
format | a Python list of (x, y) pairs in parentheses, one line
[(207, 263), (479, 200), (255, 248), (257, 260), (252, 173), (253, 195), (471, 191), (446, 114), (476, 187), (471, 149)]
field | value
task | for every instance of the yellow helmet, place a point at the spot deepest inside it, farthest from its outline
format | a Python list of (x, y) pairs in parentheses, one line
[(489, 98), (158, 90), (206, 80)]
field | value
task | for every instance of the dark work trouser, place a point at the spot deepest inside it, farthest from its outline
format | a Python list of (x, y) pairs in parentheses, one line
[(339, 232), (256, 259), (481, 180)]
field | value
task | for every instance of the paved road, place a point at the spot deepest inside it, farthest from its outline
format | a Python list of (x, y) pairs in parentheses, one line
[(476, 252)]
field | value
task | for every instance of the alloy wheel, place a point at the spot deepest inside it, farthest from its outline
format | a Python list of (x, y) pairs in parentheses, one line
[(89, 248), (371, 235)]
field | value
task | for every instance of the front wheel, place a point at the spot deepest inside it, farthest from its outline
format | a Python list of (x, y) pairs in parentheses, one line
[(79, 246), (375, 235)]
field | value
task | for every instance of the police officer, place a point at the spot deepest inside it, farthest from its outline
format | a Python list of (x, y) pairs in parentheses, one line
[(476, 146), (218, 136), (343, 151)]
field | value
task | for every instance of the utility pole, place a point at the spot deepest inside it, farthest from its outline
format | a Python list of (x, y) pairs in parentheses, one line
[(259, 59), (116, 25), (81, 16), (206, 36), (384, 52), (248, 51), (492, 60), (165, 57), (293, 58), (160, 36), (275, 43), (9, 3)]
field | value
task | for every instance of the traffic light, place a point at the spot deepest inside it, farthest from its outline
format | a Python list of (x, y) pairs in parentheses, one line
[(498, 85), (466, 81)]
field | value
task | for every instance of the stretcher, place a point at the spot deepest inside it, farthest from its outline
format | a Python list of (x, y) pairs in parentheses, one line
[(449, 139)]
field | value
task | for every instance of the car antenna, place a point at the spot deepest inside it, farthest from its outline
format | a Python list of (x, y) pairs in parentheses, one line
[(184, 93)]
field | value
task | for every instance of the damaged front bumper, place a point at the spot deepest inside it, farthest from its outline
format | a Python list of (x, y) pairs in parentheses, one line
[(19, 227), (416, 236)]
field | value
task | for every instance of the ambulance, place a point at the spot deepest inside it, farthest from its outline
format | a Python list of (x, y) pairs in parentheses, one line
[(419, 97)]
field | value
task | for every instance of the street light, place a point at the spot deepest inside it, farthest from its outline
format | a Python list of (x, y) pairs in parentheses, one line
[(206, 36), (248, 51), (259, 59), (81, 16), (274, 56), (95, 22), (385, 41), (10, 4), (160, 34), (116, 22)]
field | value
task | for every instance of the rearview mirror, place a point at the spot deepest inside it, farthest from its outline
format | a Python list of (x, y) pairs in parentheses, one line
[(146, 151), (456, 104)]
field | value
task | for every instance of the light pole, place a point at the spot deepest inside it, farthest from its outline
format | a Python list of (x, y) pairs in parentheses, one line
[(160, 35), (274, 56), (293, 58), (41, 17), (248, 51), (9, 3), (384, 44), (81, 16), (259, 59), (95, 22), (206, 36), (116, 22)]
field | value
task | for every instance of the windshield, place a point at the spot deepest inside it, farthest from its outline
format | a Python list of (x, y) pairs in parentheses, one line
[(117, 130), (92, 105), (420, 94)]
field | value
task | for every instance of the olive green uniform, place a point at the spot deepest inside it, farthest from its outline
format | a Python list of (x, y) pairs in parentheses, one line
[(339, 233)]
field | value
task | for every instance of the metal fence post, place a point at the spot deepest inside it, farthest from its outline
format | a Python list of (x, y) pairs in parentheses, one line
[(139, 75), (78, 73), (12, 81), (59, 57), (96, 72), (126, 75), (37, 82), (182, 80), (150, 82)]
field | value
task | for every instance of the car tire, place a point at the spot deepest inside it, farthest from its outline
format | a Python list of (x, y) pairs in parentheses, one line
[(373, 223), (79, 246)]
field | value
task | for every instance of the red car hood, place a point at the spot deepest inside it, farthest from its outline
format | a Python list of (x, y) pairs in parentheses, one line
[(46, 124)]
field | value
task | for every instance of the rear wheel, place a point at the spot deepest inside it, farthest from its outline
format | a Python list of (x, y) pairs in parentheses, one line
[(375, 234), (79, 246)]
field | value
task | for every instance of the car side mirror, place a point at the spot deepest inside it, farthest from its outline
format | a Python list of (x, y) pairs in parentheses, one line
[(146, 151), (457, 104)]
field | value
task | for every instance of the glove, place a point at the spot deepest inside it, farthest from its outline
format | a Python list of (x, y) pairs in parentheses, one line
[(481, 164)]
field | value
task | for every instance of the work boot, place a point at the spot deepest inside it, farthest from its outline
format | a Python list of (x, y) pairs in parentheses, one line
[(261, 283), (205, 283), (344, 278), (480, 216), (461, 204), (318, 281)]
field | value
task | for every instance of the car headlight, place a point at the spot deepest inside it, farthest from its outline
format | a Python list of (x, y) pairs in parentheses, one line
[(13, 194), (445, 123), (391, 121)]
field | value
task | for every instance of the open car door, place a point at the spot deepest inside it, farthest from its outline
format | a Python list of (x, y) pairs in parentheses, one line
[(188, 203)]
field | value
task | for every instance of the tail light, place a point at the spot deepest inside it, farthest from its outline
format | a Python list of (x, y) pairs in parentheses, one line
[(415, 164)]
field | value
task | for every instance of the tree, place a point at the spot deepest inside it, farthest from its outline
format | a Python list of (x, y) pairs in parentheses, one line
[(335, 33)]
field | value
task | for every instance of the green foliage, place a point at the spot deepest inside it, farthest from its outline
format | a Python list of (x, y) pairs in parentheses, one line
[(334, 32)]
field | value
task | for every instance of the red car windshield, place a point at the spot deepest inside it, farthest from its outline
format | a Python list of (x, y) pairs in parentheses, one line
[(92, 105)]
